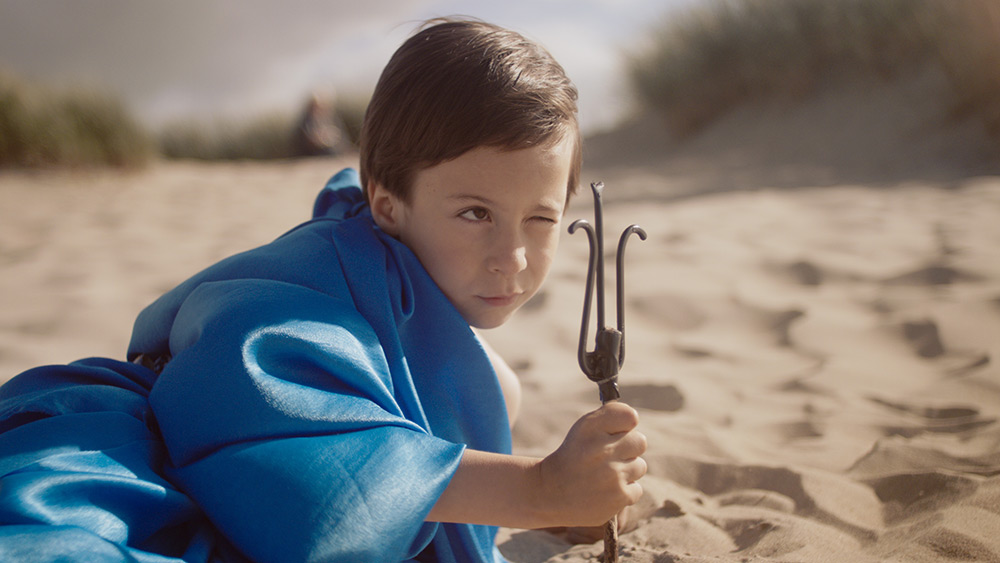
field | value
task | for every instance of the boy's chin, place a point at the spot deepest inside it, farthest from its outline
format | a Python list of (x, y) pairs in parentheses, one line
[(486, 325), (493, 319)]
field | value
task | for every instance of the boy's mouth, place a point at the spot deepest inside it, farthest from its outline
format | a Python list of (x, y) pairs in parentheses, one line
[(500, 300)]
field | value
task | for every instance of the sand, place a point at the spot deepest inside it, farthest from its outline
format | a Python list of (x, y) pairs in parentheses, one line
[(815, 367), (815, 371)]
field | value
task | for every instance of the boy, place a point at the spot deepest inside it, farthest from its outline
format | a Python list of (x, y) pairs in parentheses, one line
[(323, 398)]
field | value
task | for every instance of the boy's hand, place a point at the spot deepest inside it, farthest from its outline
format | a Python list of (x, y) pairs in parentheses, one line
[(592, 475), (587, 480)]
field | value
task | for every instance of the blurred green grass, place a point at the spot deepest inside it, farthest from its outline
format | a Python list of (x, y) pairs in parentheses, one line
[(700, 63), (43, 127), (695, 66), (262, 137)]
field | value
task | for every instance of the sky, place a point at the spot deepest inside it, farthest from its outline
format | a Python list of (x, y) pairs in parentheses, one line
[(181, 59)]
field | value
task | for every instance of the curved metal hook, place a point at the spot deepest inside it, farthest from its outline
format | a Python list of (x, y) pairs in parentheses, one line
[(588, 292), (620, 282), (598, 249)]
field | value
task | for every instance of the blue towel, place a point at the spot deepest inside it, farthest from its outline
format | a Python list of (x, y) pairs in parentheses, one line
[(320, 394)]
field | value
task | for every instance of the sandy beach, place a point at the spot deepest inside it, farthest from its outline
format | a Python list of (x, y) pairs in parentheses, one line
[(814, 357)]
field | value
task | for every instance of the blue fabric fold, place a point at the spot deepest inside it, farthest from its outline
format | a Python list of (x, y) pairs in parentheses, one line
[(80, 471), (319, 398)]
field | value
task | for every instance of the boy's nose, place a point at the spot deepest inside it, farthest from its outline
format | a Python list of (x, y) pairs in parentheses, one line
[(508, 257)]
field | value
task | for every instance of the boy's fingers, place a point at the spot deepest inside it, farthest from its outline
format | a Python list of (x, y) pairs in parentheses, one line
[(634, 492), (616, 417), (626, 447), (632, 444), (636, 469)]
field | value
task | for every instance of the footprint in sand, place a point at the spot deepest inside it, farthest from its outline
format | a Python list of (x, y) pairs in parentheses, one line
[(719, 479), (806, 273), (800, 430), (946, 419), (925, 338), (840, 503), (781, 324), (677, 312), (933, 274), (758, 498), (748, 533), (801, 272), (913, 494), (956, 546), (803, 382)]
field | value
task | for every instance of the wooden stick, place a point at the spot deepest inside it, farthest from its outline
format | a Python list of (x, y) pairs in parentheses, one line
[(611, 540), (611, 526)]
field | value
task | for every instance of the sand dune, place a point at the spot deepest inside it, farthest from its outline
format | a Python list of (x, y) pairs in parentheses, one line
[(816, 368)]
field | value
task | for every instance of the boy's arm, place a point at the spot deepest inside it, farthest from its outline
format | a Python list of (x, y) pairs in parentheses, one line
[(588, 479)]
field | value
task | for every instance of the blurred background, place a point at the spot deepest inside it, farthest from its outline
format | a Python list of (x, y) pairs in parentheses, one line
[(814, 317), (117, 81), (177, 66)]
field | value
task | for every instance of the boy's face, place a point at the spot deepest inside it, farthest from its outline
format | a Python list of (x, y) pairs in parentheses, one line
[(485, 225)]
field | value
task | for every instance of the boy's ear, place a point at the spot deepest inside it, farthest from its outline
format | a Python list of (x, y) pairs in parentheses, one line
[(387, 209)]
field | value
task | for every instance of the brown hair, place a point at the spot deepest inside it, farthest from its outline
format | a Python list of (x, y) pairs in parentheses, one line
[(461, 84)]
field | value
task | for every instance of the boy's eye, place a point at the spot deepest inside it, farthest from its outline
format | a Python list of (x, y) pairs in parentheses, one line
[(475, 214)]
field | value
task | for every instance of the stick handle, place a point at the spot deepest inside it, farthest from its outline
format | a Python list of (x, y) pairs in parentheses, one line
[(611, 540), (611, 526)]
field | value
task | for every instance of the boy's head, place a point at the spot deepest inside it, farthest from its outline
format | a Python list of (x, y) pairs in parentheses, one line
[(457, 85)]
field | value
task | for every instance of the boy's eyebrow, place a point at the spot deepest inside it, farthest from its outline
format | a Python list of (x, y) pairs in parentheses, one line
[(543, 206), (472, 196)]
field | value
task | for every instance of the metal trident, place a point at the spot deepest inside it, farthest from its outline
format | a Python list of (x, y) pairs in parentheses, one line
[(603, 363)]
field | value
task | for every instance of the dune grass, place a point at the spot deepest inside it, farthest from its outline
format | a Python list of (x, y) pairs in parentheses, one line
[(969, 51), (45, 127), (42, 126), (698, 64), (262, 137)]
